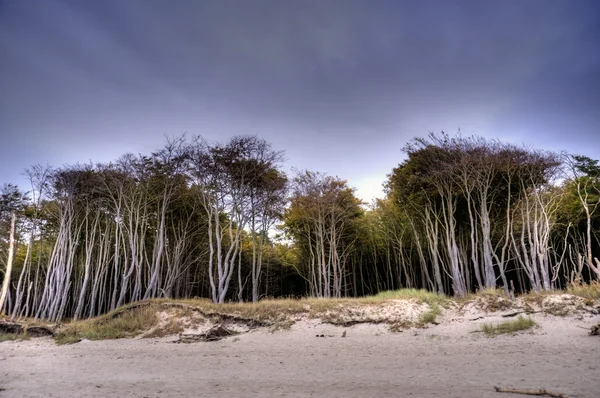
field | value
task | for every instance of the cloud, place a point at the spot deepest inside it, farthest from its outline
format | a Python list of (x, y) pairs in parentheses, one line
[(329, 81)]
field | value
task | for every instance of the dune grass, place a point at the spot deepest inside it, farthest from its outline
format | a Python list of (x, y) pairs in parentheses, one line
[(589, 291), (142, 318), (508, 327), (114, 325), (13, 337), (430, 316), (136, 318), (421, 296), (278, 309)]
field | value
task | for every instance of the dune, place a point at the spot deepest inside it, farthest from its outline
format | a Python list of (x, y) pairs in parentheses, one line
[(451, 358)]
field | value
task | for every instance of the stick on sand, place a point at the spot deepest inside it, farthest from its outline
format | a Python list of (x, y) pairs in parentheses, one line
[(531, 392)]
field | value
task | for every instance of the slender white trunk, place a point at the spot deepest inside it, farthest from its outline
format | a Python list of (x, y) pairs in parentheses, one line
[(9, 263)]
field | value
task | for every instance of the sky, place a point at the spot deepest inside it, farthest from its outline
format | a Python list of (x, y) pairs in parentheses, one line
[(340, 85)]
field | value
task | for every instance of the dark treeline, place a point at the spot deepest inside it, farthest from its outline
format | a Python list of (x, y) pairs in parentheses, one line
[(224, 221)]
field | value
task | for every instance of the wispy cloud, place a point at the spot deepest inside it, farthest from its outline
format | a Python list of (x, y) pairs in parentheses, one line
[(339, 84)]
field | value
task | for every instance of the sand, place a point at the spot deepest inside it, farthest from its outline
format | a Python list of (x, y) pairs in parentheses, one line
[(447, 360)]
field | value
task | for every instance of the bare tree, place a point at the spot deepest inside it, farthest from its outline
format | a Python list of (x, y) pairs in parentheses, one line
[(586, 175), (9, 263)]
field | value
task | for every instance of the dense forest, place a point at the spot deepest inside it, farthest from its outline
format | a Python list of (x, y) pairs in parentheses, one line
[(225, 222)]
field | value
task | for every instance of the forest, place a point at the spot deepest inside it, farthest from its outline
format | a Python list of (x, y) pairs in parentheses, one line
[(224, 221)]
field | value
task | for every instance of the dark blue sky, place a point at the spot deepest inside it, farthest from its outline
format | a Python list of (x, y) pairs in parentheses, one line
[(341, 86)]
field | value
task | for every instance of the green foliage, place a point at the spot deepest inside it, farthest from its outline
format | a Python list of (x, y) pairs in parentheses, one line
[(586, 166), (322, 219), (449, 212)]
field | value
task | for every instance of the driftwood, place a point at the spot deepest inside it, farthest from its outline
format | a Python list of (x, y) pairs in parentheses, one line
[(214, 334), (512, 314), (32, 331), (11, 327), (509, 315), (252, 323), (531, 392), (520, 312), (39, 331)]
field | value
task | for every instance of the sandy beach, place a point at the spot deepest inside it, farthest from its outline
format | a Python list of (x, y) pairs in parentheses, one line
[(452, 359)]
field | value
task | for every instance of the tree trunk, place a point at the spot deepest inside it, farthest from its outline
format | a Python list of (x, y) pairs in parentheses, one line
[(9, 263)]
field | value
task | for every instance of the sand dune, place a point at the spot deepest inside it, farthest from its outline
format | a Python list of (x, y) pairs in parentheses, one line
[(451, 359)]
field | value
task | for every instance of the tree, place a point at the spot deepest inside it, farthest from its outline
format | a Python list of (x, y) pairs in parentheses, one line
[(461, 194), (238, 184), (321, 219), (9, 263), (586, 178)]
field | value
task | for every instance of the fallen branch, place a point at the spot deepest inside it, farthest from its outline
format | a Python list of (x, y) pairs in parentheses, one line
[(250, 322), (512, 314), (215, 334), (531, 392), (222, 317), (39, 331), (10, 327)]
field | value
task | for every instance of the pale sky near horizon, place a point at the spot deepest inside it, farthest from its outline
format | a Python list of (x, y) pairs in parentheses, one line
[(340, 85)]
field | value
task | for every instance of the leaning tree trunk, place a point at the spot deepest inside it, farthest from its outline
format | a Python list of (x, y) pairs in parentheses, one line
[(11, 249)]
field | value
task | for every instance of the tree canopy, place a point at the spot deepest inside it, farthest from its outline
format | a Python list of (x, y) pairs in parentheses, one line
[(226, 222)]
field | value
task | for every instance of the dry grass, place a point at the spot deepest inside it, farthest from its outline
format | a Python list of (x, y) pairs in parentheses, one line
[(280, 314), (114, 325), (491, 300), (589, 291), (170, 328), (429, 316), (264, 311), (281, 309), (537, 297), (487, 293), (14, 337), (419, 295), (138, 318), (508, 327), (283, 325), (562, 306)]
